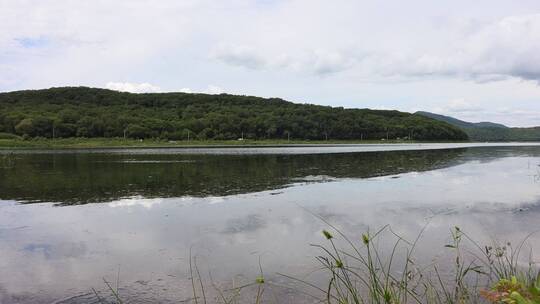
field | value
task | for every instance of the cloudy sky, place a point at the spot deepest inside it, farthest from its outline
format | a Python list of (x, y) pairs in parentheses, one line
[(475, 60)]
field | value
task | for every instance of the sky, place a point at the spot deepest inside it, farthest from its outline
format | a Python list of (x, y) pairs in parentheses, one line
[(474, 60)]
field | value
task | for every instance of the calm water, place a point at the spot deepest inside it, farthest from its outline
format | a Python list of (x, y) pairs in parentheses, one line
[(70, 218)]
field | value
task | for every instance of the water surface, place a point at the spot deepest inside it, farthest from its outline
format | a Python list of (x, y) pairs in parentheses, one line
[(69, 218)]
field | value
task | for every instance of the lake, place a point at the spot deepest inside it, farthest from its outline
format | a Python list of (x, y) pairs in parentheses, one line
[(69, 218)]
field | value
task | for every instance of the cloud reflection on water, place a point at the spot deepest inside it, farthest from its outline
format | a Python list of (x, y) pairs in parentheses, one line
[(68, 250)]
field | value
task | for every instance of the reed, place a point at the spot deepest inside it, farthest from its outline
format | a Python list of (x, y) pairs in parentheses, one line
[(358, 271)]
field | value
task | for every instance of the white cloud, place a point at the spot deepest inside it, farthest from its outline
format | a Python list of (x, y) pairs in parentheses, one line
[(136, 201), (466, 49), (469, 111), (240, 56), (133, 87), (212, 89), (325, 62), (459, 106), (508, 47), (318, 62)]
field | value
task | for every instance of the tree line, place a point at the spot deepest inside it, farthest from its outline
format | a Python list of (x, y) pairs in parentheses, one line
[(90, 112)]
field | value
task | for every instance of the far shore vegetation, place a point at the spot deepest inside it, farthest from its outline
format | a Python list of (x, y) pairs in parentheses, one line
[(97, 113), (11, 141)]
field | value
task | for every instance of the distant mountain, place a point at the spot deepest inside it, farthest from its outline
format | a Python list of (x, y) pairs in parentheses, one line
[(461, 123), (488, 131), (90, 112)]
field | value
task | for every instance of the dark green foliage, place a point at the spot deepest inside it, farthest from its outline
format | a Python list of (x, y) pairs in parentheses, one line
[(8, 136), (89, 112)]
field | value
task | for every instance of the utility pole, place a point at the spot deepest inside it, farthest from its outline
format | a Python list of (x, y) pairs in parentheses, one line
[(124, 133), (288, 136)]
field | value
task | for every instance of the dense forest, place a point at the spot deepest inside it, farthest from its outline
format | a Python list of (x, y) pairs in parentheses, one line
[(488, 131), (89, 112)]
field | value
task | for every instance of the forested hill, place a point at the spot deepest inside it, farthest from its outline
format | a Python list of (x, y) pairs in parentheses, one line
[(461, 123), (90, 112), (488, 131)]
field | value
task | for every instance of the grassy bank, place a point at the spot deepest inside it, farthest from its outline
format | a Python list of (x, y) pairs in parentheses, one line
[(66, 143), (358, 271)]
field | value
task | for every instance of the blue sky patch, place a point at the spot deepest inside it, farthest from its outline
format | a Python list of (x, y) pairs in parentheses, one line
[(32, 42)]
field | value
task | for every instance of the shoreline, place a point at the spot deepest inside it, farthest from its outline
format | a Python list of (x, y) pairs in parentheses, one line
[(116, 143)]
